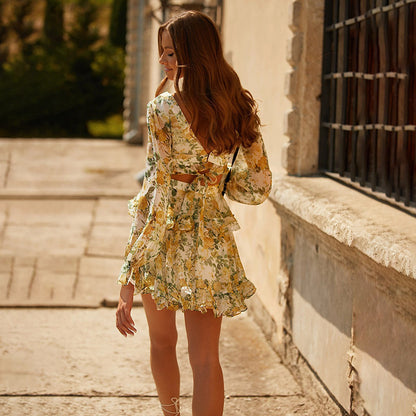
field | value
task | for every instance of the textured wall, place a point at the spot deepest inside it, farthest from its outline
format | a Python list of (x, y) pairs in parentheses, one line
[(254, 41), (350, 302), (255, 44)]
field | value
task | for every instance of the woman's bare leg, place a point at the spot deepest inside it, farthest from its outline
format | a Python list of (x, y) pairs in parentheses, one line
[(203, 330), (163, 361)]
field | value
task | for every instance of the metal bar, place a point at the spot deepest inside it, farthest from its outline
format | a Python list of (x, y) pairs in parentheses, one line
[(369, 14), (394, 108), (363, 160), (365, 75), (374, 115), (328, 102), (411, 103), (333, 86), (405, 144), (385, 138), (344, 109), (370, 127), (354, 88)]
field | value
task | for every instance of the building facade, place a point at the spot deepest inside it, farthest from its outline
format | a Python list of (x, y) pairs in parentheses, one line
[(335, 267)]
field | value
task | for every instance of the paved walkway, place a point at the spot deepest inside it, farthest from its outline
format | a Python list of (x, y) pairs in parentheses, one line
[(63, 227)]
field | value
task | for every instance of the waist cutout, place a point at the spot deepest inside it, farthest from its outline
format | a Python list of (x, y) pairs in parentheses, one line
[(210, 180)]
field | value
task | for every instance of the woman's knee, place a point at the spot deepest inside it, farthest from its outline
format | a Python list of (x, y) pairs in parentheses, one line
[(204, 359), (203, 332), (163, 341)]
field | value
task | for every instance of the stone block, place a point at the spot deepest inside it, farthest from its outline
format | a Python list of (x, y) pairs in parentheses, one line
[(93, 290), (258, 359), (4, 169), (295, 10), (285, 156), (72, 352), (3, 218), (291, 123), (66, 213), (97, 280), (99, 266), (39, 240), (51, 288), (58, 264), (6, 263), (54, 280), (291, 86), (24, 269), (68, 167), (6, 273), (112, 211), (294, 49), (108, 240), (322, 311), (384, 339)]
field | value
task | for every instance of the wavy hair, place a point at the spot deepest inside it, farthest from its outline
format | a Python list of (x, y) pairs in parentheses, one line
[(221, 110)]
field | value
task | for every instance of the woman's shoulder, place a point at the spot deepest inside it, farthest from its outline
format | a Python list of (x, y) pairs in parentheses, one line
[(163, 103), (162, 110)]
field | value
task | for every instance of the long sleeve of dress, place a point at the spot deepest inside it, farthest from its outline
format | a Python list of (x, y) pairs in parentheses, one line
[(251, 179), (149, 207)]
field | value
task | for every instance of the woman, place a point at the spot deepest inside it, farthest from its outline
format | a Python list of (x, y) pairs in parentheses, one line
[(181, 253)]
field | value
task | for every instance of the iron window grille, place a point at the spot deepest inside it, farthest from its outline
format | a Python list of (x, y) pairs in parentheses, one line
[(368, 113)]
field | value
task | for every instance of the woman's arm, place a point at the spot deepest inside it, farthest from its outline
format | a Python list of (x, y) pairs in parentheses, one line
[(251, 179), (124, 321), (149, 208)]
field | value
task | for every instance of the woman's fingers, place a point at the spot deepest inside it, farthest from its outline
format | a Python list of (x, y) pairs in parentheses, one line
[(124, 322)]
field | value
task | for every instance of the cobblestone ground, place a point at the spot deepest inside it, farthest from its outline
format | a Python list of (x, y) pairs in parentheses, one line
[(63, 226)]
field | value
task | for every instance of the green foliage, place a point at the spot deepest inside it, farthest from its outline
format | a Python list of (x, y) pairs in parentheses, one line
[(118, 23), (112, 127), (22, 24), (83, 34), (17, 27), (66, 80), (53, 27)]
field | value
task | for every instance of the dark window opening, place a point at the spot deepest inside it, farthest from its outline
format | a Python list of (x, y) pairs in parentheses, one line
[(368, 115)]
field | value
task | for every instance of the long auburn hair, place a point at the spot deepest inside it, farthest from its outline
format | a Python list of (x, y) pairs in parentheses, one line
[(221, 110)]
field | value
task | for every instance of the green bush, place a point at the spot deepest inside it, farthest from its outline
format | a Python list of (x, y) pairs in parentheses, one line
[(59, 84), (118, 23)]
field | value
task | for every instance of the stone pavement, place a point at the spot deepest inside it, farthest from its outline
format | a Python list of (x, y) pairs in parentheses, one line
[(63, 227)]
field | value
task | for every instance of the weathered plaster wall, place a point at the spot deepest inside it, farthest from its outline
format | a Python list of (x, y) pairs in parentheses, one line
[(155, 69), (322, 310), (255, 35), (350, 261), (352, 324), (303, 86), (254, 40)]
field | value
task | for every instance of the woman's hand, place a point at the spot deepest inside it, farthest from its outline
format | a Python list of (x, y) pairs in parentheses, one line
[(124, 322)]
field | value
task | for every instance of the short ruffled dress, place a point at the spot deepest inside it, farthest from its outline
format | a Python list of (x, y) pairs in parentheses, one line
[(181, 248)]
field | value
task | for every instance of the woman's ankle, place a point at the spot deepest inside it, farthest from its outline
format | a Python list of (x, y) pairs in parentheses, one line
[(171, 409)]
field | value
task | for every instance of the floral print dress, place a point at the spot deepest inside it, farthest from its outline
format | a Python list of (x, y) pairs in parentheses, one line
[(181, 248)]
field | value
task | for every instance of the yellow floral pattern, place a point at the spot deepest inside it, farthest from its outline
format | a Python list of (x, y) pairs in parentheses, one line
[(181, 248)]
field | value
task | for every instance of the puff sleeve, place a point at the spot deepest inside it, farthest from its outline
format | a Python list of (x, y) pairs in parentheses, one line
[(250, 179)]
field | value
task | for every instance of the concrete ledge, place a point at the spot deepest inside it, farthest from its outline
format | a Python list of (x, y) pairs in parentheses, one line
[(383, 233)]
